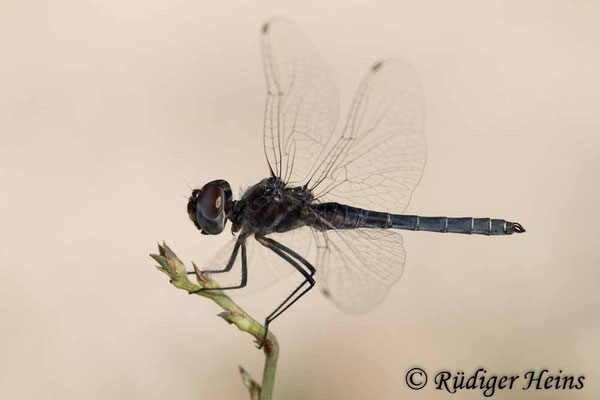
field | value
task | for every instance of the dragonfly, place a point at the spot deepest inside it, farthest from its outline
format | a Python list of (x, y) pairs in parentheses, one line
[(336, 194)]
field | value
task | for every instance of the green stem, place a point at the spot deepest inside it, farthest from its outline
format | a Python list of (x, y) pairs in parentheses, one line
[(171, 265), (269, 370)]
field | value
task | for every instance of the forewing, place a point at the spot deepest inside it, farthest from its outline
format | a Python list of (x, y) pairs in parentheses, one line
[(379, 159), (357, 267), (302, 104)]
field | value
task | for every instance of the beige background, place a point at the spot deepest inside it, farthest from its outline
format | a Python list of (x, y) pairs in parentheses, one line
[(108, 108)]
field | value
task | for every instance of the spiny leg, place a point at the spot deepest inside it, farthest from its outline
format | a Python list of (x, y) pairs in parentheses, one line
[(241, 242), (268, 242), (230, 263), (281, 251), (283, 306), (290, 252)]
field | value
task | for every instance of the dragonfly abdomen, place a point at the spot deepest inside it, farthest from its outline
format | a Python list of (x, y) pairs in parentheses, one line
[(341, 216), (468, 225)]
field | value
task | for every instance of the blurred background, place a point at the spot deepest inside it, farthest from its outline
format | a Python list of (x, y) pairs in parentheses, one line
[(108, 108)]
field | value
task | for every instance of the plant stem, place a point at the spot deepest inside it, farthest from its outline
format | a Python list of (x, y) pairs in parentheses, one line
[(171, 265)]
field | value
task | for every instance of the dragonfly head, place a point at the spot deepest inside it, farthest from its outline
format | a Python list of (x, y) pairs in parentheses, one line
[(208, 207)]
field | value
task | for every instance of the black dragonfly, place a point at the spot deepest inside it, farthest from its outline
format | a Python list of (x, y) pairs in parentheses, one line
[(319, 202)]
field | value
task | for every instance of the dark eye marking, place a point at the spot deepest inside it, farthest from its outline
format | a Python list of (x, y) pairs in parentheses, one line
[(211, 204)]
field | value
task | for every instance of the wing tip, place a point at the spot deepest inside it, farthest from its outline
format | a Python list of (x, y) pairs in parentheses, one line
[(380, 63), (265, 28), (377, 66)]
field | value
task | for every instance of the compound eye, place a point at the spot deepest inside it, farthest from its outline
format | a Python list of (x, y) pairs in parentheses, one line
[(212, 202)]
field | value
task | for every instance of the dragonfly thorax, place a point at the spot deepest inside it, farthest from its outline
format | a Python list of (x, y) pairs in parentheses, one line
[(270, 206)]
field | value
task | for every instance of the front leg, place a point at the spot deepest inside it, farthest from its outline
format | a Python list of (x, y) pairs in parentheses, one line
[(240, 242), (232, 258)]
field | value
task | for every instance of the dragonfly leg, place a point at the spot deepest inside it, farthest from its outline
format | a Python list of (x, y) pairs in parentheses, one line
[(285, 253), (239, 243), (229, 263), (291, 253)]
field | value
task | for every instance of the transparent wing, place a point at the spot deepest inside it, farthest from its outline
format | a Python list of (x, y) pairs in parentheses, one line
[(375, 164), (302, 104), (357, 267), (379, 158)]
